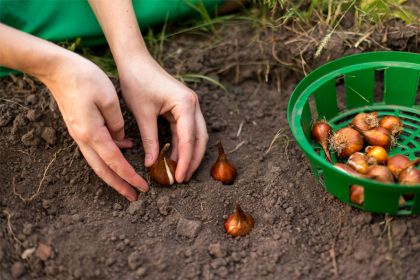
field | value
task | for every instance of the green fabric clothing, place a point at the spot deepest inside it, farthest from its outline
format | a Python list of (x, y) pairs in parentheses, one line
[(60, 20)]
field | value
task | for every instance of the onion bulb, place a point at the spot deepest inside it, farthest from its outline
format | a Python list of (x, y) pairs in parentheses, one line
[(321, 132), (393, 124), (409, 176), (222, 170), (378, 136), (365, 121), (380, 173), (360, 162), (346, 142), (357, 194), (398, 163), (378, 153), (347, 169), (163, 170), (239, 223)]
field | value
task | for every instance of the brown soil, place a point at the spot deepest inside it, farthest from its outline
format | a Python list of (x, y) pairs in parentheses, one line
[(177, 233)]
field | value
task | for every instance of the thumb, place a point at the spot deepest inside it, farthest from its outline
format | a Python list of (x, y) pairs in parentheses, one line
[(149, 136)]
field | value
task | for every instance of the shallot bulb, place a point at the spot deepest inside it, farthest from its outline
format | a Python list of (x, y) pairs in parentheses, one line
[(346, 142), (393, 124), (409, 176), (398, 163), (380, 173), (239, 223), (321, 132), (378, 136), (360, 162), (163, 170), (365, 121), (378, 153), (222, 170), (357, 194)]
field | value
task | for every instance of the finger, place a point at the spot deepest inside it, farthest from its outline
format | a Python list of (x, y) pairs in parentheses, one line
[(124, 144), (108, 151), (200, 143), (114, 121), (107, 174), (174, 142), (186, 139), (149, 135)]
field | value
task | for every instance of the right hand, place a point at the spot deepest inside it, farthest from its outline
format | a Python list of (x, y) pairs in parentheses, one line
[(91, 110)]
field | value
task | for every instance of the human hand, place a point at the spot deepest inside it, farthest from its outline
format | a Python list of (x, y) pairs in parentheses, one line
[(91, 110), (149, 92)]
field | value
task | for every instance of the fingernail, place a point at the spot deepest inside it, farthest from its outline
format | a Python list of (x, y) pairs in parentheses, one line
[(148, 160)]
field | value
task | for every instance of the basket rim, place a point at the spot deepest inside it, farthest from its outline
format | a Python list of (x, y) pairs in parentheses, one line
[(335, 69)]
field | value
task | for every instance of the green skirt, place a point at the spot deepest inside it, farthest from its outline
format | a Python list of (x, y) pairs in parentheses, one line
[(61, 20)]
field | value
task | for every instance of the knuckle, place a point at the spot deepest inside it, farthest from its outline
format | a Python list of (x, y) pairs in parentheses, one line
[(191, 99), (82, 133), (109, 101)]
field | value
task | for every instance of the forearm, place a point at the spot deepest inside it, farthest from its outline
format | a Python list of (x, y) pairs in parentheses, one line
[(119, 24), (29, 54)]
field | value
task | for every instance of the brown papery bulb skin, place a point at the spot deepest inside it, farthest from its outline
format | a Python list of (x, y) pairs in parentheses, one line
[(346, 168), (393, 124), (380, 173), (346, 142), (321, 132), (360, 162), (378, 136), (410, 177), (357, 194), (398, 163), (239, 223), (365, 121), (163, 170), (378, 153), (222, 170)]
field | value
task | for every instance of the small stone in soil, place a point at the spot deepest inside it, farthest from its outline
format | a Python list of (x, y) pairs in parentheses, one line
[(163, 204), (134, 260), (43, 252), (49, 135), (217, 250), (136, 208), (141, 271), (188, 228), (33, 115), (117, 207), (17, 270), (30, 139)]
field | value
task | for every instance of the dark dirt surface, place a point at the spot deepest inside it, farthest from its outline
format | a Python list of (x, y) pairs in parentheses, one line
[(82, 229)]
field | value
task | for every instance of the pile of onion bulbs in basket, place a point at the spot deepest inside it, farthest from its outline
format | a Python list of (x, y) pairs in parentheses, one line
[(363, 145)]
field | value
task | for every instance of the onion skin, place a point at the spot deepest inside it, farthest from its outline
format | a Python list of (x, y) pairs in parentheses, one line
[(393, 124), (357, 194), (410, 177), (360, 162), (365, 121), (378, 136), (378, 153), (239, 223), (346, 168), (163, 170), (222, 170), (380, 173), (321, 132), (398, 163), (346, 142)]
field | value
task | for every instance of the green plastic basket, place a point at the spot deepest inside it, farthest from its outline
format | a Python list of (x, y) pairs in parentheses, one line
[(317, 97)]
